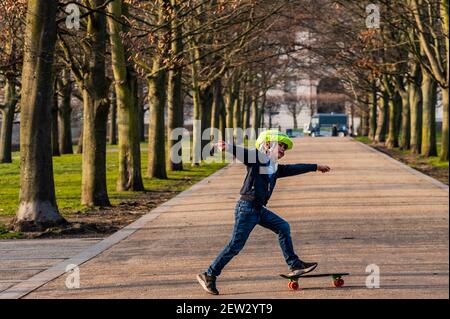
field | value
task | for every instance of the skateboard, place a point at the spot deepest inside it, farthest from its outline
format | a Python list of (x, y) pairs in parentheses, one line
[(337, 280)]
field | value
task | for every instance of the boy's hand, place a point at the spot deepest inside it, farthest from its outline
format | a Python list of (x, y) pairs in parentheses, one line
[(323, 168), (221, 145)]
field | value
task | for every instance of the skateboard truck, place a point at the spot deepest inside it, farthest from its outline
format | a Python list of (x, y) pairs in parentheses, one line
[(336, 282)]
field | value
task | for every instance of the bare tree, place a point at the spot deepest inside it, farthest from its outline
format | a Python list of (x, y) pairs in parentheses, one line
[(11, 55), (295, 104), (37, 200)]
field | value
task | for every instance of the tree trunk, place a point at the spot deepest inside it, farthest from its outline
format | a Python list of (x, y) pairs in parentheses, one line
[(6, 130), (261, 119), (249, 114), (222, 118), (94, 190), (217, 104), (445, 119), (55, 128), (398, 115), (80, 142), (231, 97), (37, 201), (248, 105), (415, 98), (197, 124), (113, 119), (294, 117), (392, 139), (95, 115), (429, 147), (255, 117), (175, 112), (175, 115), (352, 119), (141, 109), (65, 113), (127, 105), (237, 110), (365, 119), (244, 104), (373, 113), (156, 135), (405, 137), (444, 7), (206, 102), (229, 107), (380, 134)]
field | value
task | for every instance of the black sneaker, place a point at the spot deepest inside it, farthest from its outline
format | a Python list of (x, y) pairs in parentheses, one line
[(208, 283), (302, 269)]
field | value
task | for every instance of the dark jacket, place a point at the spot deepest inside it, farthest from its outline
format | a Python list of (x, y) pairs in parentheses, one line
[(258, 185)]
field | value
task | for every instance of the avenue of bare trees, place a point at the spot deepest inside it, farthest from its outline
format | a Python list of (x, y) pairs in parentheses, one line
[(392, 57), (123, 58)]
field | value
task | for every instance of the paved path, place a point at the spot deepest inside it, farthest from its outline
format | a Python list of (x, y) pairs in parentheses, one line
[(22, 259), (368, 210)]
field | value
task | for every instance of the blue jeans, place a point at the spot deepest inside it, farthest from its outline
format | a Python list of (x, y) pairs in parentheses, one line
[(246, 218)]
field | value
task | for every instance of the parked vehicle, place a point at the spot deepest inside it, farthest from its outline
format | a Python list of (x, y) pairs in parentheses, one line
[(294, 132), (327, 124)]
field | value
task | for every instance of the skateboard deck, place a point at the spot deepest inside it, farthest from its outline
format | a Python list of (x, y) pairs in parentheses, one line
[(337, 280)]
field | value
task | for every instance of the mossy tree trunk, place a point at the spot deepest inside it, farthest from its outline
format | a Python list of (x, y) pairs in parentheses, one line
[(392, 138), (55, 127), (222, 118), (196, 129), (444, 14), (429, 147), (206, 105), (261, 119), (175, 108), (255, 116), (7, 110), (141, 109), (217, 104), (246, 116), (37, 201), (373, 107), (156, 135), (237, 107), (113, 118), (445, 132), (231, 100), (434, 46), (65, 113), (415, 100), (380, 134), (365, 111), (175, 115), (242, 118), (405, 137), (157, 99), (130, 177), (95, 113)]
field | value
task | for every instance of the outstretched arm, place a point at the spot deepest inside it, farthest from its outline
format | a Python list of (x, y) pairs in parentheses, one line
[(246, 156), (296, 169)]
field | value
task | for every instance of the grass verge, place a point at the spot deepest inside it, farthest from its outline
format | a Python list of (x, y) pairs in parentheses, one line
[(127, 206)]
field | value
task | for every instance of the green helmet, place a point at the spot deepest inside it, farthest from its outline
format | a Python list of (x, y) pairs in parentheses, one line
[(274, 136)]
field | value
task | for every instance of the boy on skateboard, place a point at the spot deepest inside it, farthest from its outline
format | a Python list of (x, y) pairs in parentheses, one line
[(262, 173)]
